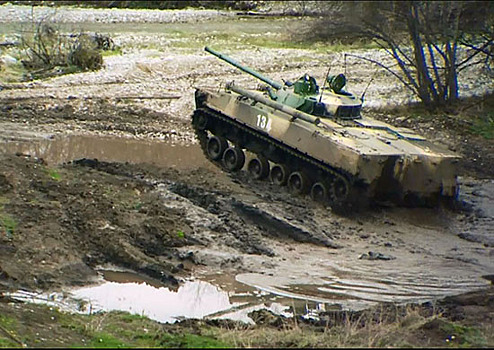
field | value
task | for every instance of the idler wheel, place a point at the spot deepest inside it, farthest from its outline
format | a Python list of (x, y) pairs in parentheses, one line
[(201, 121), (233, 159), (279, 174), (216, 147), (298, 183), (319, 192), (258, 167), (338, 190)]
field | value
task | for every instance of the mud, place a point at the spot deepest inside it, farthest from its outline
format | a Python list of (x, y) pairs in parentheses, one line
[(88, 181)]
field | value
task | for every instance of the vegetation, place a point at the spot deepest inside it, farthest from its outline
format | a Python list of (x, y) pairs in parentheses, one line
[(430, 42), (484, 127), (410, 326), (54, 174), (8, 224), (45, 51)]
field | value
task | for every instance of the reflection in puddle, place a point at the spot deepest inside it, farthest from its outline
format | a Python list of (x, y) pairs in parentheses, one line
[(65, 149), (194, 299), (130, 292), (226, 297)]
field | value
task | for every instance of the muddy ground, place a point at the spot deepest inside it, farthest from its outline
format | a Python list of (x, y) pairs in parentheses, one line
[(65, 217)]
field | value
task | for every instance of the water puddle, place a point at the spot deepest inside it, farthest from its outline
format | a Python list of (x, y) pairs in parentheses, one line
[(127, 291), (193, 299), (217, 297), (223, 296), (68, 148)]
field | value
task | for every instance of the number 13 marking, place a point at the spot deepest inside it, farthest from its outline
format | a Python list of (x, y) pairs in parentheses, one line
[(262, 121)]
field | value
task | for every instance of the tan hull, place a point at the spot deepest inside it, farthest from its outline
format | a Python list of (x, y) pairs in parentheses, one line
[(384, 158)]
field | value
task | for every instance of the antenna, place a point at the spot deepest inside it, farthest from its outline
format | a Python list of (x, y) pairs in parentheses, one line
[(324, 85), (370, 81), (345, 62)]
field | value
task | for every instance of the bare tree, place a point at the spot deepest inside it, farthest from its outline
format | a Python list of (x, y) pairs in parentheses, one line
[(431, 42)]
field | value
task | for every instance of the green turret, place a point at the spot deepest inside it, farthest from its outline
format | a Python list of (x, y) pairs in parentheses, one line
[(305, 94)]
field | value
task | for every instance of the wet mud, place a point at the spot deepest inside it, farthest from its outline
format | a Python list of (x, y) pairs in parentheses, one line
[(86, 182)]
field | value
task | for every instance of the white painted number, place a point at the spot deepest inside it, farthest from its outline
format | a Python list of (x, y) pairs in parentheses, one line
[(262, 121)]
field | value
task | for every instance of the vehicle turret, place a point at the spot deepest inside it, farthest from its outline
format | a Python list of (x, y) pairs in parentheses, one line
[(305, 94)]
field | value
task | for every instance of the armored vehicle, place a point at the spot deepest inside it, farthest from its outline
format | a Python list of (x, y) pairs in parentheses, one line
[(315, 140)]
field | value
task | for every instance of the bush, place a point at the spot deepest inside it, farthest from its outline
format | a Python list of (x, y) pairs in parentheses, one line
[(47, 52), (85, 54)]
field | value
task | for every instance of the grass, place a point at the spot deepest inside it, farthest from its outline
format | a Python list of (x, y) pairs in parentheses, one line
[(115, 52), (8, 337), (120, 329), (405, 327), (190, 341), (484, 126), (104, 340), (54, 174), (400, 330), (227, 41), (463, 336), (8, 225)]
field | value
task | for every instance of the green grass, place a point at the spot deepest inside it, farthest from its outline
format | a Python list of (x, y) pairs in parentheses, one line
[(7, 343), (463, 336), (8, 224), (54, 174), (8, 325), (104, 340), (484, 127), (114, 52), (48, 327), (190, 341)]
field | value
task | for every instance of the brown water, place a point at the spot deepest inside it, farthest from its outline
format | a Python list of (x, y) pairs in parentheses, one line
[(68, 148)]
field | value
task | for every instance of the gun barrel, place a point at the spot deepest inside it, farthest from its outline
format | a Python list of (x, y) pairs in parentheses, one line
[(296, 114), (247, 70)]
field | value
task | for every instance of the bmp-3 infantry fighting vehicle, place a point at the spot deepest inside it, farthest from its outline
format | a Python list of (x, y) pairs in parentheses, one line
[(315, 140)]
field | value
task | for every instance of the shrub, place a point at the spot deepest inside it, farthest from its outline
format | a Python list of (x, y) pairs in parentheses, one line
[(46, 51)]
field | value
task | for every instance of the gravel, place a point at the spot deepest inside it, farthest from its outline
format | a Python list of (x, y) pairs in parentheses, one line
[(18, 13)]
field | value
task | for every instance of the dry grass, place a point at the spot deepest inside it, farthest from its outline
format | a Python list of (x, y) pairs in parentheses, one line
[(380, 327)]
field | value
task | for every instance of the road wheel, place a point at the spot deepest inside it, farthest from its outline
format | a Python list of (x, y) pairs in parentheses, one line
[(338, 191), (298, 183), (201, 121), (319, 192), (216, 147), (279, 174), (233, 159), (258, 167)]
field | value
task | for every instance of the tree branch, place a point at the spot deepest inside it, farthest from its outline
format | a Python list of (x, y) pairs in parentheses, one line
[(386, 68)]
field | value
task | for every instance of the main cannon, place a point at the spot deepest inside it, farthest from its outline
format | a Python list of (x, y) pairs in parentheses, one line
[(315, 141), (247, 70)]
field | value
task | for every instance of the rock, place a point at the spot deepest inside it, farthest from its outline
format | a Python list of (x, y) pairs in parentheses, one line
[(9, 60), (376, 256)]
